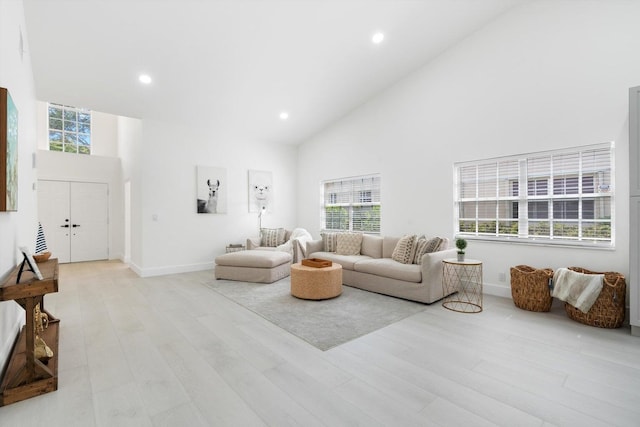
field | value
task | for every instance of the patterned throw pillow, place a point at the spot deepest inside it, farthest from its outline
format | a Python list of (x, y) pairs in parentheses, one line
[(426, 246), (349, 243), (403, 252), (330, 241), (272, 237)]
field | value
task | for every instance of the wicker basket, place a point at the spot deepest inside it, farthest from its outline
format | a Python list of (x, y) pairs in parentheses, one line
[(608, 310), (530, 288)]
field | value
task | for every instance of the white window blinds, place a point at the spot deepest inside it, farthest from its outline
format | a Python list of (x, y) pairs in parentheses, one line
[(564, 196), (351, 204)]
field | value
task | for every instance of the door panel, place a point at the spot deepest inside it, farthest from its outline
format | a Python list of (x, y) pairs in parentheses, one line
[(89, 222), (53, 213), (74, 217)]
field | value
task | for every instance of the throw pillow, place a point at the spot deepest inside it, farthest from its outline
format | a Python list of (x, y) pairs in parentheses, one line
[(426, 246), (329, 240), (349, 243), (403, 251), (272, 237)]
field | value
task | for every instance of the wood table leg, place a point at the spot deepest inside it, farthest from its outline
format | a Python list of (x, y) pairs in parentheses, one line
[(30, 342)]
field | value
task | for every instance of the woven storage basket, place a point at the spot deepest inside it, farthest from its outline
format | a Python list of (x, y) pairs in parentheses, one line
[(530, 288), (608, 310)]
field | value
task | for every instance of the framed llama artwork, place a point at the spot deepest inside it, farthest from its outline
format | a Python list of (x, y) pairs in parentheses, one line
[(8, 153), (211, 188), (260, 191)]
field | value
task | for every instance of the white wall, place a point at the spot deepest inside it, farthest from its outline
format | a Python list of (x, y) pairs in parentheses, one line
[(104, 131), (180, 239), (151, 156), (130, 153), (103, 165), (104, 134), (17, 228), (59, 166), (545, 75)]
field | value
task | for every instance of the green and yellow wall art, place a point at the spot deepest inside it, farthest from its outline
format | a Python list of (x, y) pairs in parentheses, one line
[(8, 152)]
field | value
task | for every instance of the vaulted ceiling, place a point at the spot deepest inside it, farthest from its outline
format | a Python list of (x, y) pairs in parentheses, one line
[(232, 66)]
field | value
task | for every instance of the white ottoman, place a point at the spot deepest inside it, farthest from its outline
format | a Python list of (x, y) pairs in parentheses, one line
[(253, 266)]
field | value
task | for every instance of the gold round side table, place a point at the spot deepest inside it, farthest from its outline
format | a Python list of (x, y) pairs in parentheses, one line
[(462, 285)]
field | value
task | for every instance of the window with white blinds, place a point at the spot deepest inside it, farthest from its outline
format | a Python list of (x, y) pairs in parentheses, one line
[(351, 204), (560, 197)]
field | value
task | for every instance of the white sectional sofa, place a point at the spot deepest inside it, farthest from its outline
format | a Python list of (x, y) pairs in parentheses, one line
[(286, 243), (374, 270)]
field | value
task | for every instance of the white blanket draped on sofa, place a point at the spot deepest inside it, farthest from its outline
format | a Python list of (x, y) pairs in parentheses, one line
[(578, 289), (297, 234)]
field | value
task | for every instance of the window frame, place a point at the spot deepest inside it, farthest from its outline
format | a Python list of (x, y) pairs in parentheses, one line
[(72, 133), (356, 197), (586, 218)]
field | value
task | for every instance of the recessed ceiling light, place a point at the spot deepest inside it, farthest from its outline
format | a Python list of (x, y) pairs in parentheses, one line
[(144, 78), (377, 38), (284, 115)]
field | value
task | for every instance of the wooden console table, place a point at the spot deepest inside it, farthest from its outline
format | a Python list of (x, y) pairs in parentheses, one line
[(25, 375)]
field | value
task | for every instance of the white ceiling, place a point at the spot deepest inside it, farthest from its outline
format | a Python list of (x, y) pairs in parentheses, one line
[(233, 66)]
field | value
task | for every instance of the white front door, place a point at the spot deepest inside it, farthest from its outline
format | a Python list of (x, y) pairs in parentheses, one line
[(74, 217), (54, 215), (89, 221)]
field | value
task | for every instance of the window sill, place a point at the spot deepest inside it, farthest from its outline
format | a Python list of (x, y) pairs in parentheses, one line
[(542, 242)]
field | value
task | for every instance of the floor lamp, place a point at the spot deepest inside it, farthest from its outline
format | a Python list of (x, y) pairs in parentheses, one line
[(263, 210)]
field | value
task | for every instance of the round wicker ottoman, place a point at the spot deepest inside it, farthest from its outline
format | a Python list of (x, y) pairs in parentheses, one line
[(316, 283)]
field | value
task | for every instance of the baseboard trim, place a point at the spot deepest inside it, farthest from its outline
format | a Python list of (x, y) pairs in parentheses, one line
[(133, 267), (174, 269), (496, 290)]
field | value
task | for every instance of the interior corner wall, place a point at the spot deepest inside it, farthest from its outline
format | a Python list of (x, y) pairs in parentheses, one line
[(17, 228), (175, 237), (130, 153), (547, 74)]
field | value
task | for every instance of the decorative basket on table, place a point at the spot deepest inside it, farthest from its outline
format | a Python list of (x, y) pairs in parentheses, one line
[(530, 288), (316, 262), (608, 311), (42, 257)]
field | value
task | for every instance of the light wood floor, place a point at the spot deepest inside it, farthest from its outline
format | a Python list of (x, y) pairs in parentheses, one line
[(168, 351)]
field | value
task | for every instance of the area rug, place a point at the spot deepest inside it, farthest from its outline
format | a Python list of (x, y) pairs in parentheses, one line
[(323, 324)]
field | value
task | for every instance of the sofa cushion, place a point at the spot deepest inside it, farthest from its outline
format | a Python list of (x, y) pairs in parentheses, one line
[(346, 261), (404, 250), (425, 246), (371, 246), (330, 241), (388, 245), (256, 259), (386, 267), (272, 237), (349, 243)]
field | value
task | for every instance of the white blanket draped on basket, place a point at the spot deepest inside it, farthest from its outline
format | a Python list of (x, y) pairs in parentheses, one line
[(578, 289)]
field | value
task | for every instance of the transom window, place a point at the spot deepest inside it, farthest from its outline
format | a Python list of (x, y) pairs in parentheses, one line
[(69, 129), (560, 197), (351, 204)]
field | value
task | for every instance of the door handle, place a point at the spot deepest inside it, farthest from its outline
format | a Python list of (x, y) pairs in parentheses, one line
[(65, 226), (75, 225)]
